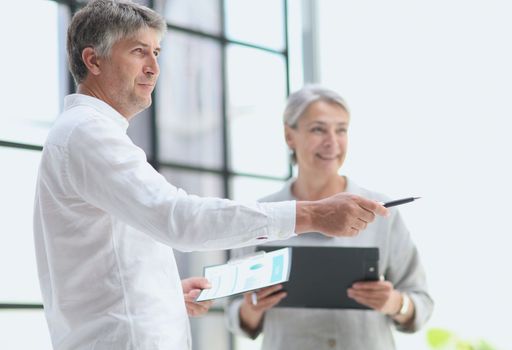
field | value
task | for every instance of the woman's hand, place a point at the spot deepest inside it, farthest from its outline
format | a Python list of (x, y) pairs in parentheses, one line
[(378, 295), (191, 288), (251, 314), (383, 297)]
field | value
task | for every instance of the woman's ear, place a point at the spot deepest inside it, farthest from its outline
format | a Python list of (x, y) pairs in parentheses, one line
[(91, 60), (289, 136)]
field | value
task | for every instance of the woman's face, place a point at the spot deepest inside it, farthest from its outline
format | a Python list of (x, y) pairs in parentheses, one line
[(320, 139)]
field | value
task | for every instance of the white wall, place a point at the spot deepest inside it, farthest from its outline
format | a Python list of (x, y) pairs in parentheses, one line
[(430, 85)]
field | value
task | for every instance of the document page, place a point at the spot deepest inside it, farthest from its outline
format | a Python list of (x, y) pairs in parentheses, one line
[(245, 274)]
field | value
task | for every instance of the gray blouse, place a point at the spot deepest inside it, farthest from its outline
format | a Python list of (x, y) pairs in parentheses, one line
[(300, 328)]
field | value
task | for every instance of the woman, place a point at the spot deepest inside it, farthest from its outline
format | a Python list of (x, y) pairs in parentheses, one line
[(316, 124)]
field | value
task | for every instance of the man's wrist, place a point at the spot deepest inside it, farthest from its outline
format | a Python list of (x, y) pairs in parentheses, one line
[(304, 217)]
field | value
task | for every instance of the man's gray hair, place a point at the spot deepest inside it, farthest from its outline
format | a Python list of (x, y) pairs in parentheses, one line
[(300, 100), (102, 23)]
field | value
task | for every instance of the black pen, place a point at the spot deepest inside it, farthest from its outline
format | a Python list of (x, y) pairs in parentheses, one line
[(399, 201)]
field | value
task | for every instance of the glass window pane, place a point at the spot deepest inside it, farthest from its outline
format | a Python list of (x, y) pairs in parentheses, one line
[(32, 75), (202, 15), (189, 105), (194, 182), (24, 329), (209, 332), (251, 189), (191, 264), (17, 256), (140, 131), (256, 94), (295, 47), (244, 20)]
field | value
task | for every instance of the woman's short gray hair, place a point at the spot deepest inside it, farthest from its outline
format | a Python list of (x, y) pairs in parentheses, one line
[(102, 23), (300, 100)]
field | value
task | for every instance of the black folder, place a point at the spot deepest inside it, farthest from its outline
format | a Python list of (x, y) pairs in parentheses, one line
[(320, 276)]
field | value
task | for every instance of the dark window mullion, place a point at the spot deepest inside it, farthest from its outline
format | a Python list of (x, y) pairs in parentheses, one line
[(225, 119), (222, 39), (19, 145), (287, 62), (17, 306)]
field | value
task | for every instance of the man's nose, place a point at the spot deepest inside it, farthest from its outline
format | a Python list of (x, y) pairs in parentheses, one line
[(152, 67)]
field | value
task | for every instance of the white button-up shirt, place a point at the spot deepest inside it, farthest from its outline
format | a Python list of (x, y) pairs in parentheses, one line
[(104, 223)]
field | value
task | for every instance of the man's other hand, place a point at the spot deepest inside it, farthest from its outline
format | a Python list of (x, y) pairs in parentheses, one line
[(191, 288)]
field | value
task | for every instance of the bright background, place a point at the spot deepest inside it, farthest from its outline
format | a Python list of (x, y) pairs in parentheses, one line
[(429, 85)]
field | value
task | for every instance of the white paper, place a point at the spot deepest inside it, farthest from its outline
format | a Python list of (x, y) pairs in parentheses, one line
[(245, 274)]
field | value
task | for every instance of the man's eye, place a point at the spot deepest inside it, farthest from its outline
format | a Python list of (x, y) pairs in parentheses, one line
[(156, 53)]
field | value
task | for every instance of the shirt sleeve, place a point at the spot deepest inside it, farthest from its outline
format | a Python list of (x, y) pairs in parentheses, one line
[(110, 173), (407, 274)]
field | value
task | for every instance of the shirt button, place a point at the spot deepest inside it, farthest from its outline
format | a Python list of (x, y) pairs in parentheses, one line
[(332, 343)]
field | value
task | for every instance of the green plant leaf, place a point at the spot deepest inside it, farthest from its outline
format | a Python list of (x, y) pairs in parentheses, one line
[(483, 345), (438, 337), (464, 345)]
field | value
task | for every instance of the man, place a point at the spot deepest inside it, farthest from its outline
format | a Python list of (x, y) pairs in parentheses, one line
[(105, 220)]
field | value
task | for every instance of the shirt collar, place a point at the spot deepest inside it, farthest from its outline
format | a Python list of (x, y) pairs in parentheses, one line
[(104, 108), (351, 187)]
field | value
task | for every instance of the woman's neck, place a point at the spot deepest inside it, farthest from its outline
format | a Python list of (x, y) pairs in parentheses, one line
[(314, 187)]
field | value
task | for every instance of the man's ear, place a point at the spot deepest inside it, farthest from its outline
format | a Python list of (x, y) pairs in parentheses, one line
[(288, 136), (91, 60)]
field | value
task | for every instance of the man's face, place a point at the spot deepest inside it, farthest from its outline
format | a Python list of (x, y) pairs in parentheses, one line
[(129, 75)]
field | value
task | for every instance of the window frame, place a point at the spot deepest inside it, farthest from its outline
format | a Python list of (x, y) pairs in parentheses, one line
[(225, 172)]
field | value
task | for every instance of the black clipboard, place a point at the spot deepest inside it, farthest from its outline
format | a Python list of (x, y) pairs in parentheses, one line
[(320, 276)]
